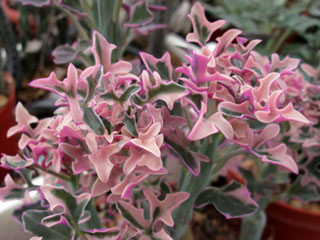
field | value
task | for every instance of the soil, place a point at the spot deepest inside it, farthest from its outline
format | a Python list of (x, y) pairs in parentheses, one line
[(211, 225)]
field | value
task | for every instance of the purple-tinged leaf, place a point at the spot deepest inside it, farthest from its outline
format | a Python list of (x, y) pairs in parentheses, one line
[(109, 233), (133, 215), (149, 139), (72, 5), (102, 52), (101, 160), (36, 3), (66, 53), (162, 210), (73, 206), (225, 40), (202, 28), (50, 83), (23, 119), (162, 65), (278, 155), (71, 93), (274, 114), (232, 201), (206, 127), (9, 188)]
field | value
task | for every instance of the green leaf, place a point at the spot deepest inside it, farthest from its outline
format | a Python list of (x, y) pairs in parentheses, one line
[(32, 224), (103, 235), (17, 213), (93, 121), (161, 68), (75, 209), (232, 200), (125, 95), (128, 93), (94, 221), (14, 163), (130, 124), (127, 215), (306, 193), (256, 125), (107, 125), (16, 193), (231, 113), (190, 159), (141, 14)]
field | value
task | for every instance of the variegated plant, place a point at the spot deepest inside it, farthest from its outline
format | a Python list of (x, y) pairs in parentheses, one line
[(116, 135)]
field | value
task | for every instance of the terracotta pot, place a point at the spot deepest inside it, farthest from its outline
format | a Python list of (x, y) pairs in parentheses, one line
[(7, 120), (292, 223), (14, 14)]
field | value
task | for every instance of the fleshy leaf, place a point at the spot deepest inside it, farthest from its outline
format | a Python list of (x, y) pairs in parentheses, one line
[(102, 51), (101, 161), (130, 124), (148, 140), (232, 201), (206, 127), (23, 119), (305, 193), (73, 207), (190, 159), (32, 224), (108, 233), (278, 155), (66, 53), (202, 28), (133, 215), (162, 65), (274, 114), (15, 162), (36, 3), (93, 121), (140, 15), (162, 210)]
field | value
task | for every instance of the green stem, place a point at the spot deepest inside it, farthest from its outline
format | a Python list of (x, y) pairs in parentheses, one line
[(64, 177), (87, 62), (79, 232), (190, 124), (279, 40), (116, 10), (221, 161), (194, 185), (81, 30)]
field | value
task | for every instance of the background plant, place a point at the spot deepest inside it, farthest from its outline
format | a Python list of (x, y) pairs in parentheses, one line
[(287, 27)]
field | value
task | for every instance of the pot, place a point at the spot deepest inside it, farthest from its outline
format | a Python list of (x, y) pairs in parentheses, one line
[(7, 120), (288, 222)]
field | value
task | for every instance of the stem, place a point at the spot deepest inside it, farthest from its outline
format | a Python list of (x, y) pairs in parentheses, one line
[(87, 62), (221, 161), (190, 124), (64, 177), (81, 30), (79, 232), (194, 185), (116, 10), (279, 40)]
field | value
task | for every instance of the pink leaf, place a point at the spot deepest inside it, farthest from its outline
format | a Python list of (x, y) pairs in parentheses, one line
[(166, 206), (202, 28)]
